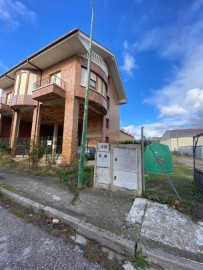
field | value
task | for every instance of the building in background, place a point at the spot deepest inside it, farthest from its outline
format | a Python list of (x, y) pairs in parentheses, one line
[(43, 96), (125, 136), (181, 139)]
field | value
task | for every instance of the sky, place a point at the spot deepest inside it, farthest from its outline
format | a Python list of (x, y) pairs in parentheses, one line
[(158, 45)]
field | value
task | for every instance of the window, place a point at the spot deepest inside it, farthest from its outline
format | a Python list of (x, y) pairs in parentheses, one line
[(107, 140), (100, 85), (56, 78), (107, 123), (96, 83), (32, 80), (108, 103), (93, 79), (8, 98), (23, 81), (16, 85), (104, 92), (83, 77)]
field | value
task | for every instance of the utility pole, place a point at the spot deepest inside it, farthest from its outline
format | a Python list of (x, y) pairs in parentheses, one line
[(85, 117)]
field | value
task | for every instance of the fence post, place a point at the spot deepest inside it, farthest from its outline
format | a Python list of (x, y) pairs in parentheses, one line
[(142, 160)]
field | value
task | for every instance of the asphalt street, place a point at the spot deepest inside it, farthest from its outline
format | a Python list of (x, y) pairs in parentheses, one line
[(25, 246)]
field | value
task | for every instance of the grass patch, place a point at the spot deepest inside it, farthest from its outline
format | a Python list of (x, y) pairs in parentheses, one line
[(159, 189), (5, 186)]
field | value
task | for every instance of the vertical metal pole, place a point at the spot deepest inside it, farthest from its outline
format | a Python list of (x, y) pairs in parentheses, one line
[(142, 160), (84, 130)]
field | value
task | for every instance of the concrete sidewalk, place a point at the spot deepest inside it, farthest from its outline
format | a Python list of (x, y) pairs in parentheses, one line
[(168, 237)]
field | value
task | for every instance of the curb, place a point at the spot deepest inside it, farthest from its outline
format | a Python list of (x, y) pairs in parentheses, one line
[(167, 261), (157, 258), (106, 238)]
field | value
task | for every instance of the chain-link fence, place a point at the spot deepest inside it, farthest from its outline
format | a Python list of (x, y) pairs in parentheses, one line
[(173, 165)]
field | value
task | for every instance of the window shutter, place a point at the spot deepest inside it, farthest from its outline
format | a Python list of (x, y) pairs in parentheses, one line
[(83, 78)]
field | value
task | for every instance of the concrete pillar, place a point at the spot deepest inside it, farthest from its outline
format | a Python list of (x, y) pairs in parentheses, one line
[(14, 131), (1, 120), (70, 130), (36, 124), (55, 136)]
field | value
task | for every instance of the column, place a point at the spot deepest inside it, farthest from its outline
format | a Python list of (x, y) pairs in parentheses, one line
[(36, 124), (70, 130), (55, 136), (14, 131)]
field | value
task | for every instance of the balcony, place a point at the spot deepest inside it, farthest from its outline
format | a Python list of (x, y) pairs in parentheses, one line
[(49, 89), (99, 61), (5, 105), (22, 102)]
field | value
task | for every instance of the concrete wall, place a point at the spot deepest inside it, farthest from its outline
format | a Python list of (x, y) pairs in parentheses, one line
[(119, 169)]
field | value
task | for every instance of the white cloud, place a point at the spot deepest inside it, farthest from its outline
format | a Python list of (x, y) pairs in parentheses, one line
[(2, 66), (181, 40), (12, 12), (129, 64), (173, 110)]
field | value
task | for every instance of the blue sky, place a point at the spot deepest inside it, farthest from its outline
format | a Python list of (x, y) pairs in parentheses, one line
[(158, 46)]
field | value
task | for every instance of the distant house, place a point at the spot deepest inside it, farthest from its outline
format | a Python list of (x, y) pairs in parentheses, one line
[(181, 138), (124, 136), (155, 139)]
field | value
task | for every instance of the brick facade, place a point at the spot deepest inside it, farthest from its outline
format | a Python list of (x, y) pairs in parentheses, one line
[(64, 109)]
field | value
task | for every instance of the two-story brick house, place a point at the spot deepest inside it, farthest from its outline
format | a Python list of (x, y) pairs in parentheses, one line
[(44, 95)]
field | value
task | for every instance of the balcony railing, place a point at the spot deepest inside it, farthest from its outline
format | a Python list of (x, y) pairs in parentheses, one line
[(22, 100), (50, 80), (99, 61)]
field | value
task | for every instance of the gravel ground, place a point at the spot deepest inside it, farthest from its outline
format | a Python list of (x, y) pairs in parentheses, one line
[(188, 161), (25, 246)]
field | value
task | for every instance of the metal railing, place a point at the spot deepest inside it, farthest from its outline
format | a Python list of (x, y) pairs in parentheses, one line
[(50, 80), (99, 61)]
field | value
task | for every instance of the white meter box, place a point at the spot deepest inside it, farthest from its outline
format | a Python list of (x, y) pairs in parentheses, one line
[(125, 159), (104, 147), (103, 159), (103, 176), (127, 180)]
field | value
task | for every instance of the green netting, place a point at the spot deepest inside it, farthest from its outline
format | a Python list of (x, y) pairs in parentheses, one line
[(163, 157)]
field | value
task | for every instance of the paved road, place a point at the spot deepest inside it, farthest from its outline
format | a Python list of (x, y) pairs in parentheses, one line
[(24, 246)]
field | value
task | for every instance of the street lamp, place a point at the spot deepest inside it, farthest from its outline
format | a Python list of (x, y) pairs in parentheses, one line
[(85, 117)]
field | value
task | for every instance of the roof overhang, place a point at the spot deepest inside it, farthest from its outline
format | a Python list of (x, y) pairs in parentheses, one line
[(75, 42)]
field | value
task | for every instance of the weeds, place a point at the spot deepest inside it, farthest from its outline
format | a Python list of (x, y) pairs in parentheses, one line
[(139, 261), (93, 251), (158, 189), (69, 176), (35, 154)]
